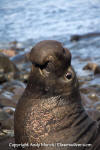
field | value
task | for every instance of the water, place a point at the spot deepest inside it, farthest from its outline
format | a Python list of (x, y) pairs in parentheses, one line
[(35, 20)]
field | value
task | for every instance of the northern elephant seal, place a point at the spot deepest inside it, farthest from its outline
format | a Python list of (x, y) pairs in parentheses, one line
[(49, 114)]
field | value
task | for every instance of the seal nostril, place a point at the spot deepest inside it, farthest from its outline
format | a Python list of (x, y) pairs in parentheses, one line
[(68, 75)]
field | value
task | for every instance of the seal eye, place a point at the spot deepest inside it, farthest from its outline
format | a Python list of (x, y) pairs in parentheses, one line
[(68, 75)]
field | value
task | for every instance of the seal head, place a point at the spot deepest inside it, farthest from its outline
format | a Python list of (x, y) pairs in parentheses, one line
[(51, 68)]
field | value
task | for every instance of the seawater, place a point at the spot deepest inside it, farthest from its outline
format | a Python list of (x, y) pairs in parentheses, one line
[(33, 19)]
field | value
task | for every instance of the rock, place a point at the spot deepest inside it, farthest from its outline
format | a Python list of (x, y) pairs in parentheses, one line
[(94, 97), (92, 66), (8, 69), (7, 100), (8, 52), (6, 137), (6, 133), (9, 110), (94, 114), (13, 85), (8, 123), (77, 37), (87, 103), (6, 65), (20, 58), (97, 105), (6, 120), (24, 75), (3, 115), (85, 90), (4, 142), (15, 45), (10, 93), (23, 64), (1, 106), (2, 77), (8, 76)]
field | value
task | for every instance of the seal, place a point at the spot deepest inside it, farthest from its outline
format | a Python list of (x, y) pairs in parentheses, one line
[(50, 115)]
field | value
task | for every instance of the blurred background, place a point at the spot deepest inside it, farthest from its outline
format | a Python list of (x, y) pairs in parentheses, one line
[(23, 23), (39, 19)]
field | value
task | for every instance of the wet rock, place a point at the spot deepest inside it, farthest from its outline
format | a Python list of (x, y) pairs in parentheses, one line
[(15, 45), (6, 101), (24, 77), (8, 69), (1, 106), (9, 110), (8, 52), (2, 77), (24, 72), (22, 61), (6, 65), (83, 81), (11, 92), (85, 59), (94, 88), (85, 90), (91, 92), (8, 76), (87, 103), (93, 113), (3, 115), (20, 58), (6, 133), (92, 66), (77, 37), (93, 97), (7, 121), (6, 137), (11, 86), (15, 87), (97, 105), (6, 130), (24, 65)]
